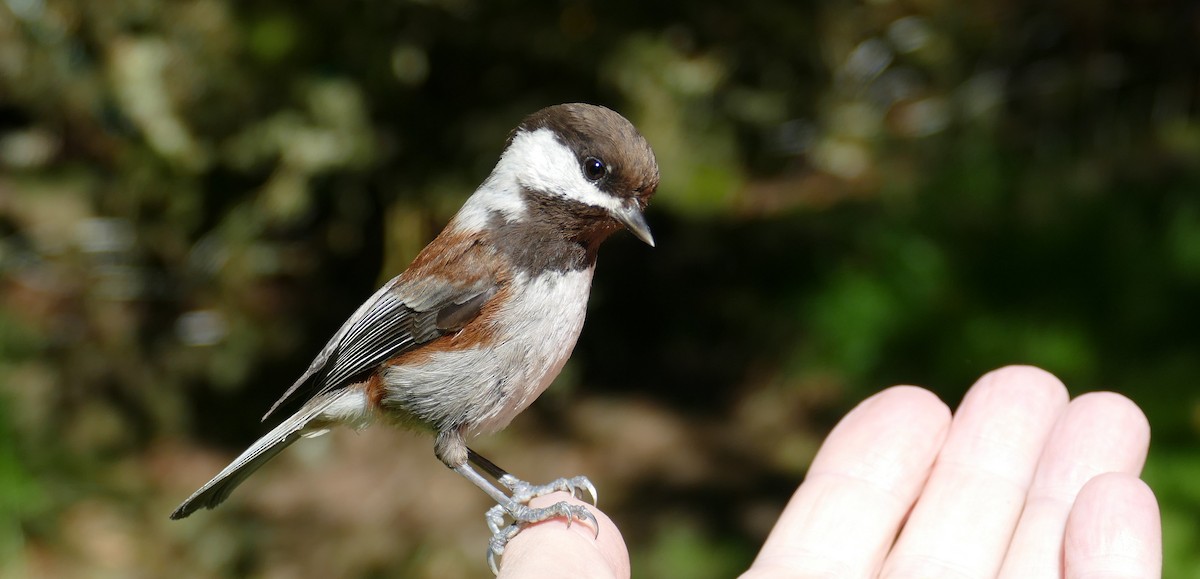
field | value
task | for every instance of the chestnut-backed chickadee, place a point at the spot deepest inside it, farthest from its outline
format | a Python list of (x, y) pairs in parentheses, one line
[(487, 314)]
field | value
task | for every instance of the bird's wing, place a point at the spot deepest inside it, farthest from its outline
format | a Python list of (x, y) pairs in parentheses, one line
[(402, 315)]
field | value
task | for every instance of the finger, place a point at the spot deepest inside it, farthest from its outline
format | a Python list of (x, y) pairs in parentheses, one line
[(551, 549), (965, 517), (845, 515), (1099, 433), (1114, 530)]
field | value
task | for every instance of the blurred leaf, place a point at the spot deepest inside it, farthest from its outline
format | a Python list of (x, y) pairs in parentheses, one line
[(681, 552)]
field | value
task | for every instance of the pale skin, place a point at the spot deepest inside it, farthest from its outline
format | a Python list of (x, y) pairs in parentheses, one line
[(1020, 482)]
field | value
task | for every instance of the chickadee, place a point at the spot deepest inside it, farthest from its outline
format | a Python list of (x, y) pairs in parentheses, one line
[(486, 315)]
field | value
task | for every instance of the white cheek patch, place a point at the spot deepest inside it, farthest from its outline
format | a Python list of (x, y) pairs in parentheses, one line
[(535, 161), (547, 165)]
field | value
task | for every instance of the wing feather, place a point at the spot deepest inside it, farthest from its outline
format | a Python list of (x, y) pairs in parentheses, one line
[(397, 318)]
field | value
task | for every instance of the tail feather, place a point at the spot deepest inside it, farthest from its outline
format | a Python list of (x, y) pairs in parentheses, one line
[(214, 492)]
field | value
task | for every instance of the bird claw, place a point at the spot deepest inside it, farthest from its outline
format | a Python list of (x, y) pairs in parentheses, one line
[(523, 515), (499, 540), (523, 492)]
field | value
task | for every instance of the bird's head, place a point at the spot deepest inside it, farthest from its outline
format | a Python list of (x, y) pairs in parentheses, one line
[(581, 168)]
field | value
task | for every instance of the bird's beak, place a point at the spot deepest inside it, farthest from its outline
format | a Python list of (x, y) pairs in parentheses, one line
[(630, 215)]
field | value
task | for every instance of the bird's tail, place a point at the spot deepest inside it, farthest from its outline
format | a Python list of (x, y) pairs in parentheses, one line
[(346, 405)]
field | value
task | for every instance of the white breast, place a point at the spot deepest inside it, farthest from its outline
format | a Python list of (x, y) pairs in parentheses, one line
[(482, 389)]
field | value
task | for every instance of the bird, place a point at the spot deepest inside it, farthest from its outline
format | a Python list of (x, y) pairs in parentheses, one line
[(485, 316)]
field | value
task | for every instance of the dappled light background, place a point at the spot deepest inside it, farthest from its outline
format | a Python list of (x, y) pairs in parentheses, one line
[(194, 194)]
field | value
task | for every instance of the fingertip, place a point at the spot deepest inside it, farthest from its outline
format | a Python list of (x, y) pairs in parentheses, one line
[(1123, 487), (895, 421), (1118, 411), (552, 548), (914, 399), (1099, 432), (1023, 371), (1021, 401), (1114, 529), (1027, 382)]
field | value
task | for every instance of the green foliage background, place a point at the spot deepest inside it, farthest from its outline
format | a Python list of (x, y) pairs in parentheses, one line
[(194, 194)]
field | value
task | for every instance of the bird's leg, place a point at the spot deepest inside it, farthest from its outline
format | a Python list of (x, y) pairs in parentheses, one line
[(523, 492), (514, 506)]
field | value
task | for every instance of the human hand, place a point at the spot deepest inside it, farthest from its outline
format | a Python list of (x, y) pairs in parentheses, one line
[(1021, 483)]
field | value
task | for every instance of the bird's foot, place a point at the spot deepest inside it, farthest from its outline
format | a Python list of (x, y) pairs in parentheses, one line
[(523, 492), (522, 515)]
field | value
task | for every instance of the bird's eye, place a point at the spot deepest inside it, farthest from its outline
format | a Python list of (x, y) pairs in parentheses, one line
[(594, 169)]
